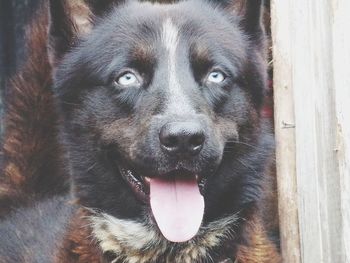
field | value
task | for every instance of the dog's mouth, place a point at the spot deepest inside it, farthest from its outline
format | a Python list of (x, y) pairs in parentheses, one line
[(141, 184), (175, 198)]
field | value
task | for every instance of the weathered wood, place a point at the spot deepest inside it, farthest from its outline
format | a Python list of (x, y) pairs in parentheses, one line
[(341, 69), (312, 62), (285, 131)]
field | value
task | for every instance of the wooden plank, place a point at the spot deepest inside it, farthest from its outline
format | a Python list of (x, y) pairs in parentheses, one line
[(285, 132), (311, 60), (341, 66), (317, 171)]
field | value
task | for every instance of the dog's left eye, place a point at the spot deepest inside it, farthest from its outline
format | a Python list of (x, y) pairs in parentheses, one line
[(128, 79), (216, 77)]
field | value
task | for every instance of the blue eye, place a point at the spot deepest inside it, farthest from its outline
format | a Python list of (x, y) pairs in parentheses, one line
[(128, 79), (216, 77)]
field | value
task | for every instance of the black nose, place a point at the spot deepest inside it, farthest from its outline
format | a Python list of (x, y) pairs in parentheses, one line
[(182, 138)]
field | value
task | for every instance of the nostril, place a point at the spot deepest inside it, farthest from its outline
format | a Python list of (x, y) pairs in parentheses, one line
[(196, 140), (178, 138), (195, 143), (170, 142)]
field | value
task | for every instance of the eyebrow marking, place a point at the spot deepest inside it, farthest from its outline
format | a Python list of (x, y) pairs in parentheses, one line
[(178, 102)]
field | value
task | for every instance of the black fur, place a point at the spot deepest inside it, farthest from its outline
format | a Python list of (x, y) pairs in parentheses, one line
[(106, 126), (90, 100), (35, 234)]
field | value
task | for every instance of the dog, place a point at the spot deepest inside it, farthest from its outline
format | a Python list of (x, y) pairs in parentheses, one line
[(142, 139)]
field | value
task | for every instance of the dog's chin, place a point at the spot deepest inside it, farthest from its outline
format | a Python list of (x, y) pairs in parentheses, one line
[(139, 182)]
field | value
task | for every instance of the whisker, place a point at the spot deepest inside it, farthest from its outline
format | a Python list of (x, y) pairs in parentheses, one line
[(246, 144), (234, 149), (91, 167), (260, 151), (247, 166), (69, 103)]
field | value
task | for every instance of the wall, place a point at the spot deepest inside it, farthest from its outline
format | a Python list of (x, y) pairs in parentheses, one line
[(311, 46)]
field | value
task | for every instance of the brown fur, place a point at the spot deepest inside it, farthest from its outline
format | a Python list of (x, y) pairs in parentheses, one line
[(79, 245), (259, 248), (268, 203), (31, 164)]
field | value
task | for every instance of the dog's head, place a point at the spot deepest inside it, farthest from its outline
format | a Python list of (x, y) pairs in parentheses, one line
[(161, 107)]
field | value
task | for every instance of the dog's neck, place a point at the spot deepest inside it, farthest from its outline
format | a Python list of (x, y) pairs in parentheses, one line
[(134, 241), (98, 238)]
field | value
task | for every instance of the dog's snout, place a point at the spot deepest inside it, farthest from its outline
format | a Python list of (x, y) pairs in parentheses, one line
[(182, 138)]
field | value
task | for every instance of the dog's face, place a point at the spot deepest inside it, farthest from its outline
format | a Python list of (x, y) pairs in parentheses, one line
[(162, 96)]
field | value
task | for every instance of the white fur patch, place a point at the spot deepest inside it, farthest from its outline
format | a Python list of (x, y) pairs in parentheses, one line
[(170, 36), (141, 242), (178, 102)]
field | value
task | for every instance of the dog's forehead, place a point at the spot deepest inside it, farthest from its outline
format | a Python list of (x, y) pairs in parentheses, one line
[(154, 21), (146, 32)]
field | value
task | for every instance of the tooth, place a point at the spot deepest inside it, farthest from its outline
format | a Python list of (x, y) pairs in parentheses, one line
[(131, 175), (147, 179)]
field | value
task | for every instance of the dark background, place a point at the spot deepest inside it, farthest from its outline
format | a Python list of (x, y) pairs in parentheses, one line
[(14, 16)]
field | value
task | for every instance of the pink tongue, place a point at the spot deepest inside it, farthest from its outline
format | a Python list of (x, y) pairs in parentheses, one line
[(178, 207)]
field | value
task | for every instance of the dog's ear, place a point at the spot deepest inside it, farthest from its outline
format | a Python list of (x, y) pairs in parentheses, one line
[(71, 19), (251, 12)]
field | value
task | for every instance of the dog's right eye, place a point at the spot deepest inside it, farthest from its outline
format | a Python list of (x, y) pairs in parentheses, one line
[(128, 79)]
